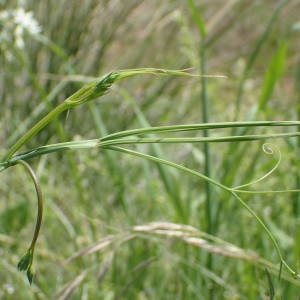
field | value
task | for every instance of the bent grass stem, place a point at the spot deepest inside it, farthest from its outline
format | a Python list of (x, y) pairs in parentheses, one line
[(212, 181), (89, 92), (25, 263), (98, 88)]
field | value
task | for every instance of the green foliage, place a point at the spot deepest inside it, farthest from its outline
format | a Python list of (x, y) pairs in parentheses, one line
[(15, 217), (274, 72), (25, 264), (126, 178)]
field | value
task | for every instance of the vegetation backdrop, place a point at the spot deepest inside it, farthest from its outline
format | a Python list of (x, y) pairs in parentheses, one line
[(118, 226)]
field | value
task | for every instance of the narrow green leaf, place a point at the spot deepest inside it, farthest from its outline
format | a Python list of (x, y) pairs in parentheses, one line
[(256, 52), (270, 284), (273, 74), (26, 261), (197, 18)]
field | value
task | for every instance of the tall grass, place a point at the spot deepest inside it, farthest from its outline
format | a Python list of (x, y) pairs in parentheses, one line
[(129, 216)]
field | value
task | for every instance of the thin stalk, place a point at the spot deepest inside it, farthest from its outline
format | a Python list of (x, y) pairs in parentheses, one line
[(269, 233), (24, 125), (296, 200), (35, 129), (206, 147), (266, 191), (168, 163), (205, 118), (25, 263), (217, 184), (103, 142), (91, 91), (166, 140), (201, 126)]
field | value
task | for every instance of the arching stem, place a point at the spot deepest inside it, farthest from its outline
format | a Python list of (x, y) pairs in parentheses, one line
[(26, 261)]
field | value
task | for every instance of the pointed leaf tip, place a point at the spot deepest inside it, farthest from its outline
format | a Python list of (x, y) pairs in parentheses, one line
[(30, 276), (25, 262)]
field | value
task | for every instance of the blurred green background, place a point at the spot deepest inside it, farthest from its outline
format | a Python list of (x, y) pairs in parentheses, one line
[(95, 199)]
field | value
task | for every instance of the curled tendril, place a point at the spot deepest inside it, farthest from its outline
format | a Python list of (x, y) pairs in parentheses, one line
[(269, 149), (25, 263)]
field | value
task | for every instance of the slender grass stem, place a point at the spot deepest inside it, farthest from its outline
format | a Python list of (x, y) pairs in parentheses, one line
[(205, 114), (296, 199), (25, 263), (35, 129), (217, 184), (206, 147), (89, 92), (39, 200), (269, 233), (168, 163), (110, 144), (189, 127), (266, 191), (103, 142), (198, 139)]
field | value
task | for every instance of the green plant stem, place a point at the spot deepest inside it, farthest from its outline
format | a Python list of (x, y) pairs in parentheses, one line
[(266, 229), (211, 181), (87, 144), (296, 200), (199, 20), (201, 126), (205, 140), (206, 147), (39, 199), (109, 145), (25, 263), (168, 163), (35, 129), (90, 91)]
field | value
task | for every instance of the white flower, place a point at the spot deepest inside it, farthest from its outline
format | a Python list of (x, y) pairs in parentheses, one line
[(15, 24), (26, 21)]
